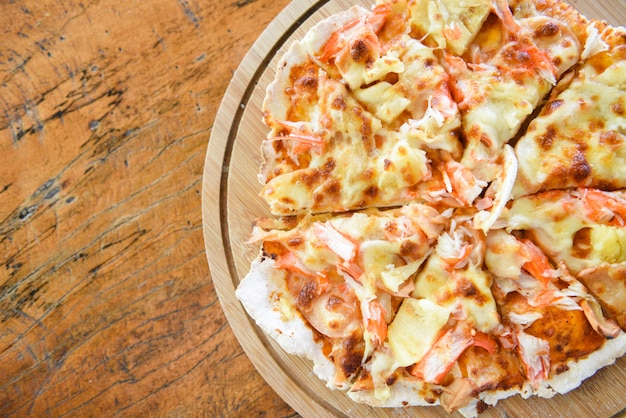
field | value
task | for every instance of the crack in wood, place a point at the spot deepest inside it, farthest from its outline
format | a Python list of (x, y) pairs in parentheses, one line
[(243, 3), (191, 15)]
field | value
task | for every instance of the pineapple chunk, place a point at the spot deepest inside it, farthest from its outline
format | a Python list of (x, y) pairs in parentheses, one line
[(393, 276), (608, 244), (450, 24), (414, 330)]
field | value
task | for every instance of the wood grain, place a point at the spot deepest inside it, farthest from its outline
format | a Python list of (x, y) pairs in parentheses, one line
[(106, 300), (231, 202)]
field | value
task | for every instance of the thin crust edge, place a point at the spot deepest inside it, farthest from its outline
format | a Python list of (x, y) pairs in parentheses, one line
[(264, 295)]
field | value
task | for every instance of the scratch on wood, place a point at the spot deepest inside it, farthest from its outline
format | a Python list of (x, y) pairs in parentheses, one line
[(134, 236), (52, 193), (159, 42), (19, 67), (18, 117), (6, 187), (35, 321), (44, 187), (28, 110), (243, 3), (14, 221), (21, 296), (26, 212), (183, 375), (95, 269), (193, 18)]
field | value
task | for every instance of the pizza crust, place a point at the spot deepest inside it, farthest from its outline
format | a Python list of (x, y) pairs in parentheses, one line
[(584, 368), (264, 295), (402, 395)]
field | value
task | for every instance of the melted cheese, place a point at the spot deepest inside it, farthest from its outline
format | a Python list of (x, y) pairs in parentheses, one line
[(468, 289), (352, 120), (478, 302), (360, 165), (412, 63), (330, 153), (424, 319), (503, 257), (448, 24), (580, 135), (392, 277), (386, 101), (391, 95), (498, 91), (377, 249), (356, 74), (560, 226), (494, 114)]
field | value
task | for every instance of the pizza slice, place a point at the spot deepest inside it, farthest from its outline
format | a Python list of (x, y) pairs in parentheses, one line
[(411, 306), (489, 317), (393, 75), (360, 117), (326, 159), (506, 72), (552, 321), (579, 137), (380, 297), (403, 85), (585, 230)]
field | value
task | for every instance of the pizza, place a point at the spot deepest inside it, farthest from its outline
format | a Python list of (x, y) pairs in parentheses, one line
[(447, 189)]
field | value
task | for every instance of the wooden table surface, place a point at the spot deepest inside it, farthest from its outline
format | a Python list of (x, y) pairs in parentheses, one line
[(106, 300)]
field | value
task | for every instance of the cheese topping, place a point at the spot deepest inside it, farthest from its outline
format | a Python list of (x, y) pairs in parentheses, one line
[(580, 134), (569, 226), (450, 279), (448, 24), (499, 90), (426, 319)]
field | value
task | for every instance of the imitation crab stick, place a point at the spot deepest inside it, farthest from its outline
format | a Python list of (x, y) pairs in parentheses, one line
[(535, 355), (539, 265), (370, 24), (537, 60), (452, 32), (301, 137), (289, 261), (461, 182), (601, 207), (302, 142), (442, 356), (339, 243), (375, 322), (600, 324)]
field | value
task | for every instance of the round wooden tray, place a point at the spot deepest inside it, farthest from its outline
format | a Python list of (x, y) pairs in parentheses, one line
[(230, 202)]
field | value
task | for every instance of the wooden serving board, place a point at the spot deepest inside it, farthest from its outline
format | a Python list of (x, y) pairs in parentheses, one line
[(230, 202)]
